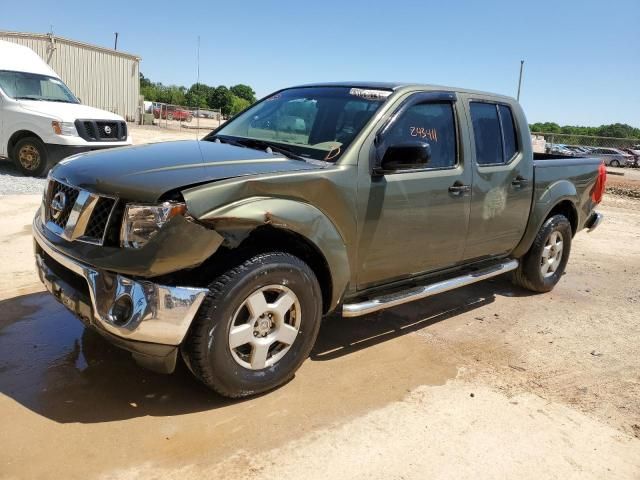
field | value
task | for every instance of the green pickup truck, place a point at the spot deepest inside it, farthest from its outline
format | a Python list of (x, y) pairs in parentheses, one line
[(348, 198)]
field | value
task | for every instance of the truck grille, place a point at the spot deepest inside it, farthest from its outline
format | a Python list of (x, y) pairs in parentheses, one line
[(102, 130), (65, 197), (89, 222), (98, 221)]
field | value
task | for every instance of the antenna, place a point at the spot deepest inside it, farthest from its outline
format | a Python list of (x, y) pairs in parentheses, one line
[(520, 79), (199, 89)]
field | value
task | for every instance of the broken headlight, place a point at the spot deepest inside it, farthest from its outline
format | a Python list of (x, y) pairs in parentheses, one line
[(141, 222)]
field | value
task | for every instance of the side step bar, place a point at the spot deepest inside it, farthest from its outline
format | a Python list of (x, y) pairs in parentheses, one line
[(417, 293)]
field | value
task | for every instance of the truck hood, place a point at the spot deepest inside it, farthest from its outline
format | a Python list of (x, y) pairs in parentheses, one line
[(143, 173), (67, 112)]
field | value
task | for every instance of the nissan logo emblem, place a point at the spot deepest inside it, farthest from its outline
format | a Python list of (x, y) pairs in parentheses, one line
[(58, 204), (107, 129)]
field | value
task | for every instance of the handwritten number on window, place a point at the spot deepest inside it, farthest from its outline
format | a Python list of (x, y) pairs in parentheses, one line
[(422, 132)]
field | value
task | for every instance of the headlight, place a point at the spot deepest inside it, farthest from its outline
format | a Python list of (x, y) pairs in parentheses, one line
[(64, 128), (142, 222)]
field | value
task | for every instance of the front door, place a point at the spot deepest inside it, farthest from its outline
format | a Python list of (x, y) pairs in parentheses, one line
[(415, 221)]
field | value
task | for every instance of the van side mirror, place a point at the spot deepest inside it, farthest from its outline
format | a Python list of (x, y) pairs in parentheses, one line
[(404, 156)]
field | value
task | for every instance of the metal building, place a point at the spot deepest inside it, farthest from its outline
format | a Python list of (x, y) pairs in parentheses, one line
[(100, 77)]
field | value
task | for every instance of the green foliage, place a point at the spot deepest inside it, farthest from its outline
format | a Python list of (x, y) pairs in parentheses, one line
[(617, 130), (228, 100), (245, 92), (222, 98), (238, 104), (197, 95)]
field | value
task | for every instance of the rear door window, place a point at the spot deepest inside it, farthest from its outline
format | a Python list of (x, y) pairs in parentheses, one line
[(486, 129), (508, 132), (494, 132)]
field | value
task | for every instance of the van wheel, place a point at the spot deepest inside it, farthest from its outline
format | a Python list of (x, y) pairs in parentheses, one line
[(30, 156), (542, 266), (256, 326)]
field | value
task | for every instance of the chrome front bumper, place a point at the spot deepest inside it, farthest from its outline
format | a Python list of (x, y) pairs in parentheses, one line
[(160, 314)]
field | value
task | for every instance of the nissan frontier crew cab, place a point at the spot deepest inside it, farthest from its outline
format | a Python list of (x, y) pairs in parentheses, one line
[(349, 197)]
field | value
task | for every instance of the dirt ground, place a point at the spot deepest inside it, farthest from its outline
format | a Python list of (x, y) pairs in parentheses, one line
[(488, 381)]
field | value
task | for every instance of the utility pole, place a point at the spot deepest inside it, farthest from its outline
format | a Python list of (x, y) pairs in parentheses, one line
[(115, 47), (520, 79)]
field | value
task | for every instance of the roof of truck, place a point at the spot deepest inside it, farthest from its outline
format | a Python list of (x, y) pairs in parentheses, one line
[(18, 58), (399, 85)]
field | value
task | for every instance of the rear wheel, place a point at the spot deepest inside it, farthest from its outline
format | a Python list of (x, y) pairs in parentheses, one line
[(256, 326), (542, 266), (30, 156)]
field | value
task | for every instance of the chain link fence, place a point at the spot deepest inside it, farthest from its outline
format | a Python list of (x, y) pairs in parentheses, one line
[(165, 115)]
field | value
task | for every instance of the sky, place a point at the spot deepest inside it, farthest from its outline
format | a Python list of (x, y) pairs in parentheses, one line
[(582, 58)]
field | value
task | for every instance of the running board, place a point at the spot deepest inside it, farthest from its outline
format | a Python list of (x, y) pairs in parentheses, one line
[(417, 293)]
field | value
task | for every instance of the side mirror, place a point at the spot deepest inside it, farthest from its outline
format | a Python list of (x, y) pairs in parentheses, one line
[(405, 156)]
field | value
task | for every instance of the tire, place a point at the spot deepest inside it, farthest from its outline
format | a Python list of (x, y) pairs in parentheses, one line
[(239, 371), (170, 116), (31, 157), (615, 163), (529, 273)]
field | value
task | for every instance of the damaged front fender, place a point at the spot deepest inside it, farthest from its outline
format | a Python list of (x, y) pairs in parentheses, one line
[(237, 220)]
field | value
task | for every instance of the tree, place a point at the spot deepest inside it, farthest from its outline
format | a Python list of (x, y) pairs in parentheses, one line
[(221, 98), (228, 100), (197, 95), (244, 91), (238, 104), (617, 130)]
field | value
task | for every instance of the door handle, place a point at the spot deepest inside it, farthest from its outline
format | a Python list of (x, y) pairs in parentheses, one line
[(459, 189), (520, 181)]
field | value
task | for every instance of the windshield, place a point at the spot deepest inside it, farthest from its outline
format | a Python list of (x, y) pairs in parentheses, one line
[(31, 86), (315, 122)]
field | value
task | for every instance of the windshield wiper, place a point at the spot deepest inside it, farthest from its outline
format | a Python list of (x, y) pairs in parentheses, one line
[(27, 98), (229, 141), (271, 146), (258, 145)]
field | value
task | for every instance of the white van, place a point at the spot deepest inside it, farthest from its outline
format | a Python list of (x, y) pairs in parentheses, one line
[(41, 121)]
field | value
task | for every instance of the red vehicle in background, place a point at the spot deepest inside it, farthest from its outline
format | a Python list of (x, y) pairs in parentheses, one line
[(171, 112)]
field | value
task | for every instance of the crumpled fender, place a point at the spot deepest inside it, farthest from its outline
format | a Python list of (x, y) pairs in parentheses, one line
[(237, 220)]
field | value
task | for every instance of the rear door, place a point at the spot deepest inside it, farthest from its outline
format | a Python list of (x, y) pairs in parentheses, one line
[(502, 181)]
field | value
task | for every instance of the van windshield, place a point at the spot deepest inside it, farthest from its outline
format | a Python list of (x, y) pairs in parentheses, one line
[(31, 86), (311, 122)]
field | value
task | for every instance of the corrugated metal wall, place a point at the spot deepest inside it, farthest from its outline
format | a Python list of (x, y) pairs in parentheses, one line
[(100, 77)]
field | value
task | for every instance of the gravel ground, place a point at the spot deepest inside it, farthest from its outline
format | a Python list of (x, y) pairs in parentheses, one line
[(12, 182)]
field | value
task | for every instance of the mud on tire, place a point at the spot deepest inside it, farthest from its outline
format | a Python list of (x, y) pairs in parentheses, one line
[(210, 350)]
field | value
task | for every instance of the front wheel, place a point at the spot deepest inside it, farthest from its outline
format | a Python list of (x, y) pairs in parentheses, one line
[(615, 163), (30, 156), (542, 266), (256, 326)]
